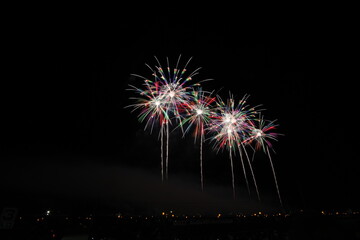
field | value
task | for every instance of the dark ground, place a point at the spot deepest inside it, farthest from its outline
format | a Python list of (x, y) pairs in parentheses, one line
[(296, 226)]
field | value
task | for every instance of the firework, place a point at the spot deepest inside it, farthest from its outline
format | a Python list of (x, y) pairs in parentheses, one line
[(231, 126), (197, 116), (261, 137), (162, 100), (152, 109), (151, 104), (171, 98)]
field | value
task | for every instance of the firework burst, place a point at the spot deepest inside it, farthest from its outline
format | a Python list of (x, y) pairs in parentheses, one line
[(162, 99), (231, 127), (198, 112), (151, 105), (261, 137), (171, 98)]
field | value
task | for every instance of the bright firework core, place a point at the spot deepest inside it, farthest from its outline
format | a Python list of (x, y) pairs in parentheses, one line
[(258, 133), (171, 94), (172, 91), (229, 118), (157, 103), (199, 111)]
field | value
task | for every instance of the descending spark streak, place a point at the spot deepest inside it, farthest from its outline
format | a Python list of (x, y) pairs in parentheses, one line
[(167, 151), (162, 154), (201, 162), (273, 170), (244, 171), (252, 172), (232, 174)]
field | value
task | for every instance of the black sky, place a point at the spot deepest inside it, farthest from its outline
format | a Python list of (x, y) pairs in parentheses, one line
[(67, 137)]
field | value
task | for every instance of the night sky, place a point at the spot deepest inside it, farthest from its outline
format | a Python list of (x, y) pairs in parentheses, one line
[(68, 143)]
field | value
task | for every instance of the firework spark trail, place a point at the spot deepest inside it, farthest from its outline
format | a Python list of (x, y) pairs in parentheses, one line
[(253, 156), (244, 171), (232, 174), (162, 153), (167, 151), (273, 170), (201, 162), (252, 172)]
